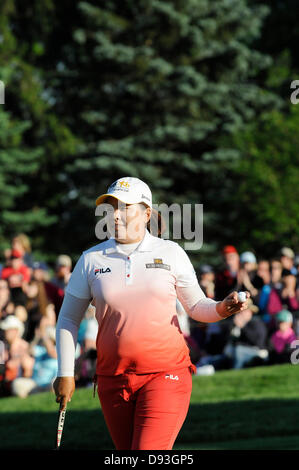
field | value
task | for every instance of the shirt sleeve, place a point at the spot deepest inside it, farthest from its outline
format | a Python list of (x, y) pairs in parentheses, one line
[(185, 273), (69, 319), (78, 283), (189, 292)]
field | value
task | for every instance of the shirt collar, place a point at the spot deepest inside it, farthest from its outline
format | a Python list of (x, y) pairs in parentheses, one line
[(145, 244), (147, 241)]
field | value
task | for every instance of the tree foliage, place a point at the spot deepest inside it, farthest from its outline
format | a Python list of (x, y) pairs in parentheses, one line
[(266, 180), (152, 89)]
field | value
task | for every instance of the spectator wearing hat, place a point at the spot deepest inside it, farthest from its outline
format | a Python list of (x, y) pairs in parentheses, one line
[(226, 278), (287, 257), (282, 338), (248, 279), (16, 268), (62, 271), (18, 362), (18, 275), (207, 280), (40, 271)]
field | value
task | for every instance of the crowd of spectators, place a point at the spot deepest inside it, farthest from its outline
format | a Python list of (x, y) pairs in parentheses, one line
[(267, 331), (31, 294)]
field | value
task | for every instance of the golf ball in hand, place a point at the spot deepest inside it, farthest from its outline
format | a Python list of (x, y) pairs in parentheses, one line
[(242, 296)]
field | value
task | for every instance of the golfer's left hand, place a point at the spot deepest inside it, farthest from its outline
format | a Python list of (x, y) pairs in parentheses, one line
[(230, 305)]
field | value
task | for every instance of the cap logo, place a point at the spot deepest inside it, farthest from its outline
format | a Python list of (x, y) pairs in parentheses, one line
[(124, 184), (119, 186)]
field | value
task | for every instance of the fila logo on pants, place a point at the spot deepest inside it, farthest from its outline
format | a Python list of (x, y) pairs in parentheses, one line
[(171, 377)]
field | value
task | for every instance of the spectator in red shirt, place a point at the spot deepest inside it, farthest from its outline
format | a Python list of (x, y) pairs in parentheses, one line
[(17, 269), (18, 275)]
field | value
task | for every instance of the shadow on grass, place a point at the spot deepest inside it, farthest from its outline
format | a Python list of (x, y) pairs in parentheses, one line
[(227, 422), (241, 424), (83, 430)]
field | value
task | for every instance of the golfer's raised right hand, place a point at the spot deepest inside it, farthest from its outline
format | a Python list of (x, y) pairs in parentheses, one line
[(64, 388)]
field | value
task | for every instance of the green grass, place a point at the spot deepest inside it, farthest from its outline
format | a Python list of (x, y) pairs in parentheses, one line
[(256, 409)]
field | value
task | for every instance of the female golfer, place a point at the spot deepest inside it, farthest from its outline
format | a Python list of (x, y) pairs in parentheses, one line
[(144, 372)]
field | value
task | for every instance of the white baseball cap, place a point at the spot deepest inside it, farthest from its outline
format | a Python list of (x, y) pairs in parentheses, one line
[(128, 190), (247, 257), (12, 322), (288, 252)]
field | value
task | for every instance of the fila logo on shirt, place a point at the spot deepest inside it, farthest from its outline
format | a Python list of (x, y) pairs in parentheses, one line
[(171, 377), (102, 270)]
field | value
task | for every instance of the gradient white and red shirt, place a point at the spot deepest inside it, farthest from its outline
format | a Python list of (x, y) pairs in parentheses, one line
[(135, 299)]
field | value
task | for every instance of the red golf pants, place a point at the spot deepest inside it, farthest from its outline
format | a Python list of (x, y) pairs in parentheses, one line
[(145, 412)]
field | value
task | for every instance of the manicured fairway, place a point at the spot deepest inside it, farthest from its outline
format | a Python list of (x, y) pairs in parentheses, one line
[(256, 409)]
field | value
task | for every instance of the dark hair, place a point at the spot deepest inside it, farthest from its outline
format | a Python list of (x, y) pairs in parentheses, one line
[(156, 225)]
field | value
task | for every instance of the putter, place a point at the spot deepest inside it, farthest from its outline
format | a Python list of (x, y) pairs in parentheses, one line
[(61, 418)]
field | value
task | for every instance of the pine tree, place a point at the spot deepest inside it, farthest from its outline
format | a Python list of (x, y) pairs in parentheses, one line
[(160, 84), (147, 89)]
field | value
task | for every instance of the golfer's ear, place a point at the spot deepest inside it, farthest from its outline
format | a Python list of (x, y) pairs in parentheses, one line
[(148, 213), (156, 225)]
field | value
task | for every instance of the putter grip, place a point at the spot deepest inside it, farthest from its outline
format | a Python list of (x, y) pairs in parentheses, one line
[(61, 418)]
